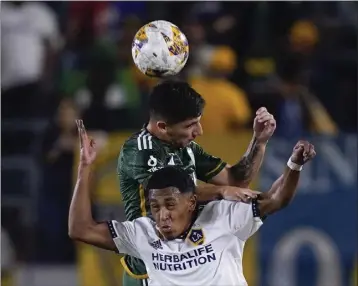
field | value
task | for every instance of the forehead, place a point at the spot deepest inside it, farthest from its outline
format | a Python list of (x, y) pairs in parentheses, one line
[(169, 192)]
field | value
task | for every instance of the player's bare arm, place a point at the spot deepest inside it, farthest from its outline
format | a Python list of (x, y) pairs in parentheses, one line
[(242, 173), (284, 188), (81, 225), (211, 193)]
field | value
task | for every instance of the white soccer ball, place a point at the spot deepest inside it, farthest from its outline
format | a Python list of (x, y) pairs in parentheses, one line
[(160, 49)]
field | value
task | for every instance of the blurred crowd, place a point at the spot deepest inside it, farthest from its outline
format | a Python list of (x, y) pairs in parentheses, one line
[(64, 60)]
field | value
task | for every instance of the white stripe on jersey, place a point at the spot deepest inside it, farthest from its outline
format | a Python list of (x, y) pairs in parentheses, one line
[(139, 140), (150, 142), (144, 141)]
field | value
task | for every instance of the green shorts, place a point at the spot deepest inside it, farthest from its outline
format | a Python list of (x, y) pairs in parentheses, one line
[(134, 273), (130, 281)]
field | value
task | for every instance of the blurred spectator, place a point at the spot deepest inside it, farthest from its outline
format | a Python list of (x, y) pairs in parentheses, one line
[(101, 20), (58, 158), (297, 109), (29, 40), (227, 108), (106, 94), (301, 47)]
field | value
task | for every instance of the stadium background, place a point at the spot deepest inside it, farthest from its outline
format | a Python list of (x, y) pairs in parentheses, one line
[(62, 60)]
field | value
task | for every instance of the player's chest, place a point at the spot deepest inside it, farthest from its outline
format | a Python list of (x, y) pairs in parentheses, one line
[(183, 158), (188, 255), (197, 241)]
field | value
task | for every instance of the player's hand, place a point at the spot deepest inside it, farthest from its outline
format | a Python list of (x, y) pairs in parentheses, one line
[(238, 194), (87, 145), (264, 125), (303, 152)]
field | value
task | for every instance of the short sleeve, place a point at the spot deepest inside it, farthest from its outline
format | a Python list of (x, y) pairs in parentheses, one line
[(139, 164), (242, 219), (123, 235), (207, 166)]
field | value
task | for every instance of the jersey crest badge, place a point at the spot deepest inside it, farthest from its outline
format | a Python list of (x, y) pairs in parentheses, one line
[(196, 236)]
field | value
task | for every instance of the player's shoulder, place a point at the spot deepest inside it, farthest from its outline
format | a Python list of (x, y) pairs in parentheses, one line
[(143, 221), (145, 224), (140, 141), (220, 204), (216, 209)]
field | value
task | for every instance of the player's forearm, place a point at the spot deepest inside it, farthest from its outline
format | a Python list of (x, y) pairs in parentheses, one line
[(248, 167), (284, 189), (80, 216), (208, 192)]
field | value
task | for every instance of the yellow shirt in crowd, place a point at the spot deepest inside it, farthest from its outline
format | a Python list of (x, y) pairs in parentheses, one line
[(227, 107)]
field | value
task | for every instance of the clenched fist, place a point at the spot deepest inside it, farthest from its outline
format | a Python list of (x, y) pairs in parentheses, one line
[(303, 152), (264, 125)]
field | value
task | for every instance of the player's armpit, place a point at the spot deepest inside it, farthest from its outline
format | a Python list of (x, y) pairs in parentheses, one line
[(97, 234)]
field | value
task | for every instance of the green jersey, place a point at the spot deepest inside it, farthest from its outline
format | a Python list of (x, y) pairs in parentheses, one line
[(141, 155)]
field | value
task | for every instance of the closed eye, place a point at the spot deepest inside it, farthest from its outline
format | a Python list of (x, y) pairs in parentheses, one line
[(171, 206), (154, 207)]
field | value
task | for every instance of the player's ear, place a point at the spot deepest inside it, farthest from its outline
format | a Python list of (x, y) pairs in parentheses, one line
[(192, 202), (162, 126)]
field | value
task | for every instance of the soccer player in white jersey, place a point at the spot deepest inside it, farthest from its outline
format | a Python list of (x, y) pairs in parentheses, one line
[(181, 246)]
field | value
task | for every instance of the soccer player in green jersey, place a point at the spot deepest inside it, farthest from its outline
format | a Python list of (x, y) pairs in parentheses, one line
[(168, 139)]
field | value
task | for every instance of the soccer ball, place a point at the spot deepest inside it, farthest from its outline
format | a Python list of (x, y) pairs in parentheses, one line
[(160, 49)]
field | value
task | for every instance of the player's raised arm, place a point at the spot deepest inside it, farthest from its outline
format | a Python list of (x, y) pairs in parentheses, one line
[(81, 225), (111, 235), (242, 173), (284, 188), (231, 182), (243, 220)]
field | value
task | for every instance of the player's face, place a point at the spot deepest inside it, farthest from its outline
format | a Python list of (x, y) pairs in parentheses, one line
[(182, 133), (171, 210)]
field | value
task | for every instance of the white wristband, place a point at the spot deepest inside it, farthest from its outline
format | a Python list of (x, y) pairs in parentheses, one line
[(293, 166)]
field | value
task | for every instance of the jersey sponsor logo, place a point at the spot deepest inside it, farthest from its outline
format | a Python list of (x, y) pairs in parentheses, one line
[(179, 262), (152, 162), (144, 141), (156, 244), (154, 169), (196, 236)]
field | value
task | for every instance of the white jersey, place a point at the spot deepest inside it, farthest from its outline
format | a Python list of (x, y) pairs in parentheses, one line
[(211, 253)]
